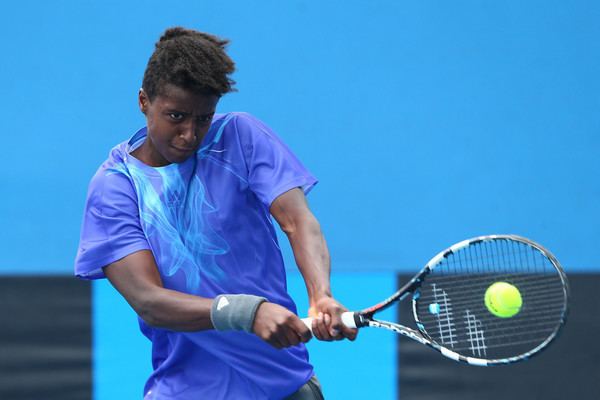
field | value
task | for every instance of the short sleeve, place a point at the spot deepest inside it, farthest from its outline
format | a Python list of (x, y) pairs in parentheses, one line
[(111, 227), (272, 167)]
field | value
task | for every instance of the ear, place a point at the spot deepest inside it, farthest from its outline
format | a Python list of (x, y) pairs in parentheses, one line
[(143, 101)]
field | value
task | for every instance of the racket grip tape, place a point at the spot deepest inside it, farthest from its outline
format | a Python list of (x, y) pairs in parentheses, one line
[(349, 319)]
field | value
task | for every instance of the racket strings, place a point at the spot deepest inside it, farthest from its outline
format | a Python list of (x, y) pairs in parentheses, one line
[(534, 291), (507, 345), (541, 305), (451, 307), (530, 283)]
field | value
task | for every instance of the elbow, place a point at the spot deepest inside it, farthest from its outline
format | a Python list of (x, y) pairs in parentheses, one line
[(306, 223), (148, 317), (146, 308), (288, 228)]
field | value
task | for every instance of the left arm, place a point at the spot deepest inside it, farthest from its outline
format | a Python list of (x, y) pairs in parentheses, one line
[(291, 211)]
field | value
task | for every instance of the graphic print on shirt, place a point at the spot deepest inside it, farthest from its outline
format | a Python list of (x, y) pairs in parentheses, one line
[(173, 213)]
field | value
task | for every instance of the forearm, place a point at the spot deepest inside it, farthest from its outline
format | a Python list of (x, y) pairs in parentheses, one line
[(312, 256), (137, 278), (169, 309)]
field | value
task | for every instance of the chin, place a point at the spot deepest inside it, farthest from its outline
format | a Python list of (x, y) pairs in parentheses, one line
[(179, 158)]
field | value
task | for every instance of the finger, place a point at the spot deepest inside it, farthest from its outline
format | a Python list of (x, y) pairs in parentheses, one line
[(292, 330), (301, 330), (315, 329), (275, 343), (292, 337), (320, 329), (323, 327), (349, 333), (315, 326), (336, 326), (327, 320), (284, 339), (278, 337)]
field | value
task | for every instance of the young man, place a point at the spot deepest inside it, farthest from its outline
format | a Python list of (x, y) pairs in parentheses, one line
[(178, 219)]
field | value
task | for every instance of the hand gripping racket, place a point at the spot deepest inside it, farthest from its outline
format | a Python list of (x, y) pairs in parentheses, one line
[(450, 311)]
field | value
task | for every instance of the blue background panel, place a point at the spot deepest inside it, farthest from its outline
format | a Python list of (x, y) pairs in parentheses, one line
[(122, 354), (426, 122)]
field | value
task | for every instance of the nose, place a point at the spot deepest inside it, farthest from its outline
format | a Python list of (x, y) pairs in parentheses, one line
[(189, 132)]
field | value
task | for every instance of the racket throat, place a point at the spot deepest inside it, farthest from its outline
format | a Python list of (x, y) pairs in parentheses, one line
[(361, 320)]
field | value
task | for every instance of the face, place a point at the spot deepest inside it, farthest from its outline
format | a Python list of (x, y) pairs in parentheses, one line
[(177, 122)]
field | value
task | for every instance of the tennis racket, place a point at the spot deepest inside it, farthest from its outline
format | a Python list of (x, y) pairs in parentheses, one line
[(449, 308)]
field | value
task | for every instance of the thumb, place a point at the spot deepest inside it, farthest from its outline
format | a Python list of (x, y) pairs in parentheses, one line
[(301, 329)]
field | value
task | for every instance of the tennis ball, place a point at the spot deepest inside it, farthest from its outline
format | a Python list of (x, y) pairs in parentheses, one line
[(503, 299)]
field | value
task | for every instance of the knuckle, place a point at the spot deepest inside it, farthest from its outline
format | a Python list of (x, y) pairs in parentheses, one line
[(271, 335), (337, 308)]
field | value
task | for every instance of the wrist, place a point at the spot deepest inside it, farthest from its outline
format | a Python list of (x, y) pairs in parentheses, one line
[(316, 294), (314, 298), (235, 311), (319, 303)]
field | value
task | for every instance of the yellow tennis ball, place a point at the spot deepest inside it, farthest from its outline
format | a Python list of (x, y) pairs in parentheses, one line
[(503, 299)]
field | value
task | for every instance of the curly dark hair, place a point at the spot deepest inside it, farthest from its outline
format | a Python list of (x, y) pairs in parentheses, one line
[(191, 60)]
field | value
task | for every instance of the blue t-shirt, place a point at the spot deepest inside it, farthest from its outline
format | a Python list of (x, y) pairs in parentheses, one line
[(207, 223)]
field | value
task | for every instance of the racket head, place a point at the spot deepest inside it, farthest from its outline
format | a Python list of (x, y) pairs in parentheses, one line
[(449, 307)]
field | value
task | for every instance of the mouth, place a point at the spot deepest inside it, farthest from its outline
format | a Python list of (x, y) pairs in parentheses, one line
[(184, 149)]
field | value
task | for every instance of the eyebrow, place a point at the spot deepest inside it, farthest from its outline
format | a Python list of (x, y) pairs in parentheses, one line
[(174, 110)]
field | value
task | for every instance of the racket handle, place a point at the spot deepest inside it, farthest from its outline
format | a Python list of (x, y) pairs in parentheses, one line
[(347, 319)]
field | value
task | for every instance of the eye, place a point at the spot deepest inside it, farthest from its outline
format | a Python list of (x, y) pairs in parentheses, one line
[(175, 116), (205, 119)]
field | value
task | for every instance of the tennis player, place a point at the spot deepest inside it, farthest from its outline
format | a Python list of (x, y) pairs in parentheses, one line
[(178, 218)]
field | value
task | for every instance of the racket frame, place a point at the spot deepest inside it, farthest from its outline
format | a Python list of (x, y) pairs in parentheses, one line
[(365, 317)]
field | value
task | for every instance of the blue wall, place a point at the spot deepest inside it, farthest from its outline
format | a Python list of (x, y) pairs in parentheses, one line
[(427, 122)]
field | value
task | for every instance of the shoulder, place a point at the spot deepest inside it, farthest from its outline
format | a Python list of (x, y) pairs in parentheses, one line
[(242, 122), (240, 129), (252, 132), (111, 186), (235, 116)]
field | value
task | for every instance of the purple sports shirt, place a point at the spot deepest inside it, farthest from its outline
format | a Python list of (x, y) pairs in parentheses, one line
[(208, 225)]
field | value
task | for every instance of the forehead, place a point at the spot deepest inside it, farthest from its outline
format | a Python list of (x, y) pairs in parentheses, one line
[(178, 98)]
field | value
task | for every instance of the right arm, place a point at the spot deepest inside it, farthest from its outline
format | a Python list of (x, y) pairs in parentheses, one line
[(137, 278)]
